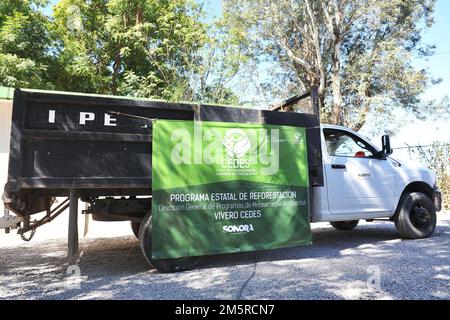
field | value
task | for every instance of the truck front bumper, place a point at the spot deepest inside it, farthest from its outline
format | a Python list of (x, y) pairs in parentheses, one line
[(437, 198)]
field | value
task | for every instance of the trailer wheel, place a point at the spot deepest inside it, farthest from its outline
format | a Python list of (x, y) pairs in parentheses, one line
[(345, 225), (417, 216), (135, 227), (163, 265)]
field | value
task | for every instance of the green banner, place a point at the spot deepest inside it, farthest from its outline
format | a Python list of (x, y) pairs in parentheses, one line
[(228, 187)]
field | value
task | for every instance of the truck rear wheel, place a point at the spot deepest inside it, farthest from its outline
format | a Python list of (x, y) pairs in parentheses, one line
[(163, 265), (417, 216), (344, 225), (135, 227)]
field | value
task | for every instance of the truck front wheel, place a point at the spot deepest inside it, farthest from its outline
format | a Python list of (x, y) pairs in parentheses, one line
[(417, 216), (163, 265), (345, 225)]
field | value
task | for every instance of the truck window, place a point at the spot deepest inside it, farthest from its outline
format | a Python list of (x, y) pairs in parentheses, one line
[(344, 144)]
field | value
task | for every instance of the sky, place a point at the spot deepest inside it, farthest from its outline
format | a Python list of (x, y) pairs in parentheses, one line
[(438, 65), (414, 132)]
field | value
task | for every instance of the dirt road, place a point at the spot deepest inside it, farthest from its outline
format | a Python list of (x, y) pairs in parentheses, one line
[(370, 262)]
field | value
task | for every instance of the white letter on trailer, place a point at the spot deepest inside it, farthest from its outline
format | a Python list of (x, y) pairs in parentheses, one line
[(51, 116), (110, 121), (86, 116)]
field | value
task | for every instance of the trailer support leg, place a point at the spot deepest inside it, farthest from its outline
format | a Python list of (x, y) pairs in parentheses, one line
[(72, 243)]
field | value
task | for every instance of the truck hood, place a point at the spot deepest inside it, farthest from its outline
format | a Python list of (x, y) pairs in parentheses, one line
[(412, 171)]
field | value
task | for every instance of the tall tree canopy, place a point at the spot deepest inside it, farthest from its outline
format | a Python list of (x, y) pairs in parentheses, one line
[(358, 52), (141, 47), (24, 44), (149, 48)]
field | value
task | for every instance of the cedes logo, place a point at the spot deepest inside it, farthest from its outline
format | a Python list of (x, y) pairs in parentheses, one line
[(234, 149), (243, 228), (236, 143)]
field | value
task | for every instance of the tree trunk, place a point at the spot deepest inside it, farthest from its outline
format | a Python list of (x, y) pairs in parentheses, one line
[(116, 70), (361, 119), (321, 92), (336, 83), (139, 16)]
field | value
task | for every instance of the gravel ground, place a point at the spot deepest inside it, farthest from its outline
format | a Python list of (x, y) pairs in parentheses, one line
[(370, 262)]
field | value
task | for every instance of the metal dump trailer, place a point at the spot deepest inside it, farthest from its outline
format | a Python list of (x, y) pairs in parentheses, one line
[(99, 149)]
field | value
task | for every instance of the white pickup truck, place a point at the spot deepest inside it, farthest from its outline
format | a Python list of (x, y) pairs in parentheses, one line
[(98, 149), (364, 183)]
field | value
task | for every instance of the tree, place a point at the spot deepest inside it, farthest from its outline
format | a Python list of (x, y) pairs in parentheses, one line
[(148, 48), (139, 48), (216, 65), (24, 41), (378, 75), (358, 52), (437, 158)]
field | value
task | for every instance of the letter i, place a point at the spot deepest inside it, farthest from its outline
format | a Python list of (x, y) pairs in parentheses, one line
[(51, 116)]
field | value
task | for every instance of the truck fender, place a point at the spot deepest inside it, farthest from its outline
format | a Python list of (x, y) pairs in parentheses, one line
[(416, 186)]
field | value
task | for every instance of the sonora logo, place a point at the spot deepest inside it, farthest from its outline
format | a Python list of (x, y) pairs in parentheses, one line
[(238, 229), (236, 143)]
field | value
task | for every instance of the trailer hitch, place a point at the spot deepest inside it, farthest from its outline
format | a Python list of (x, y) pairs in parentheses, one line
[(22, 236), (33, 225)]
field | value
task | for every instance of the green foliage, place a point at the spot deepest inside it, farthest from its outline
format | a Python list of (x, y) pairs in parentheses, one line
[(20, 72), (437, 158), (218, 62), (358, 52), (169, 49), (128, 47), (146, 48), (378, 74), (24, 41)]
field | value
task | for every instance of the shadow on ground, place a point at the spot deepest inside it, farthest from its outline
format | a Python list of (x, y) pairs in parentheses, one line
[(337, 266)]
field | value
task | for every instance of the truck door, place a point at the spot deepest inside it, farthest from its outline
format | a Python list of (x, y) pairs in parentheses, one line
[(357, 181)]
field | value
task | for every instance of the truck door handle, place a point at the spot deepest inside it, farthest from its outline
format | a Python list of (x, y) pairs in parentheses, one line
[(338, 166)]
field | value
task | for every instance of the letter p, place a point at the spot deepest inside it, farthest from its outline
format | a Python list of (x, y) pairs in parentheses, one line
[(86, 116)]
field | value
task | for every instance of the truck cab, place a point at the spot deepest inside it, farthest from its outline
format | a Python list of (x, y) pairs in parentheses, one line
[(363, 182)]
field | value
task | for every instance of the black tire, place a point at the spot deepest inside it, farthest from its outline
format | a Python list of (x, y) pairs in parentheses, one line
[(345, 225), (163, 265), (416, 217), (135, 227)]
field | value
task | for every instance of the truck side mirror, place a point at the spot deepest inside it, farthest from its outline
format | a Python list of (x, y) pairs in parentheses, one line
[(386, 146)]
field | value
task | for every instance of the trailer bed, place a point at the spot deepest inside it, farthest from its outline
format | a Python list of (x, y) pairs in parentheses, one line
[(102, 145)]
